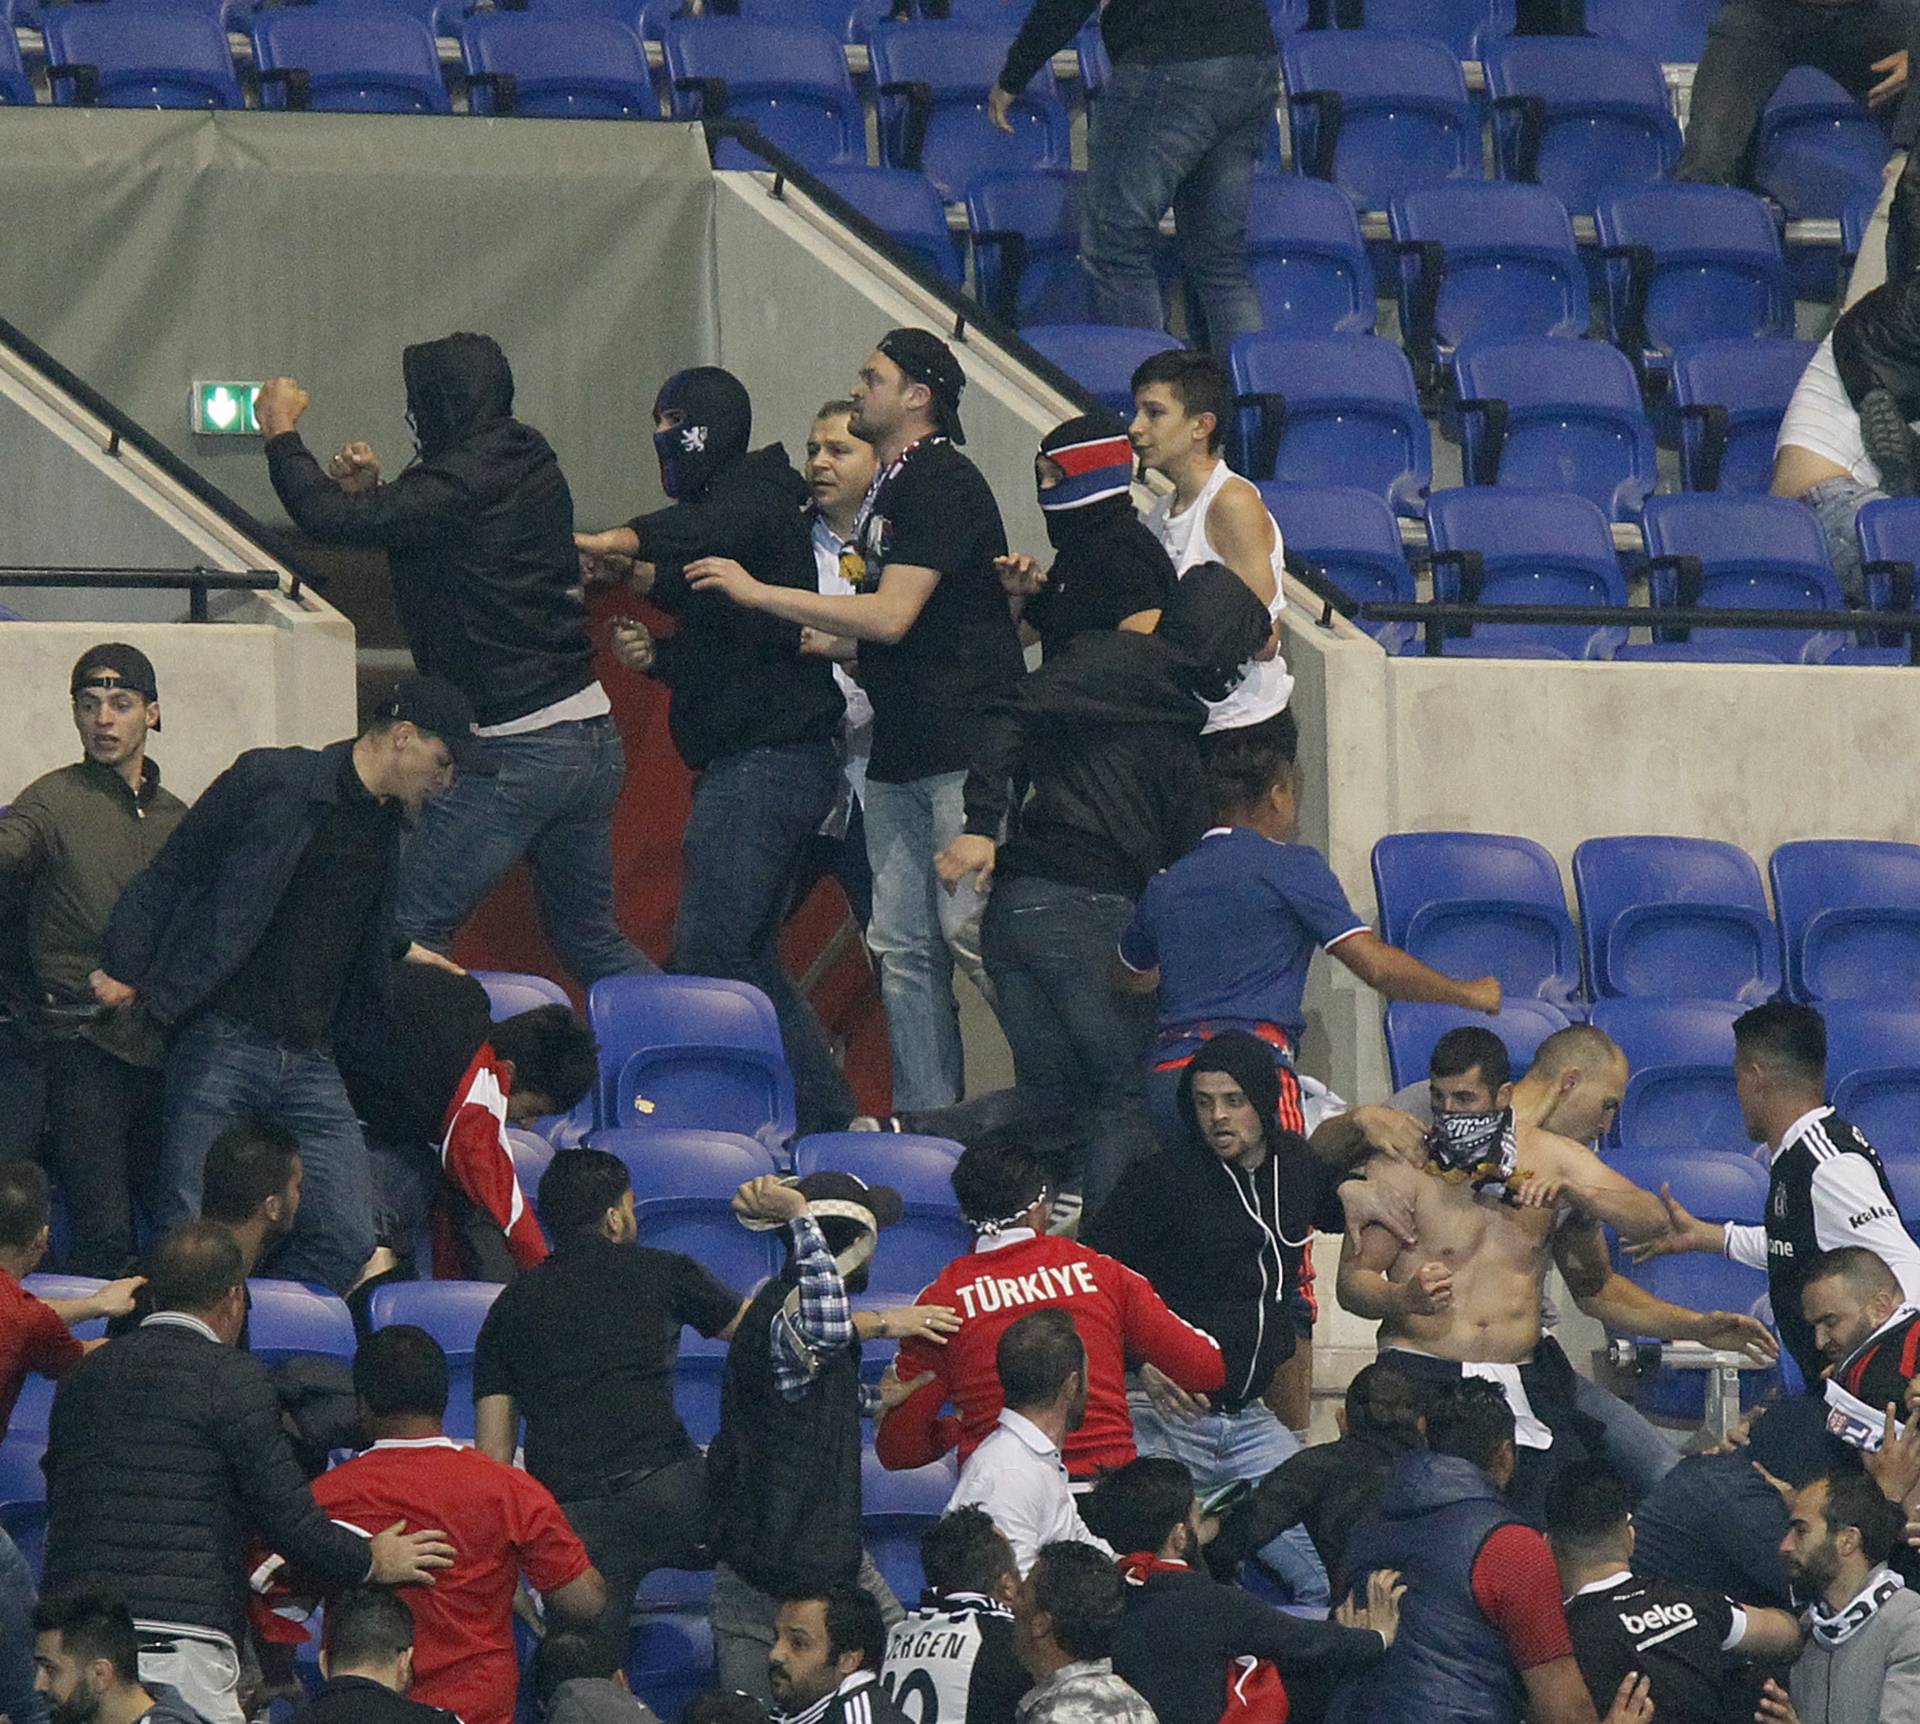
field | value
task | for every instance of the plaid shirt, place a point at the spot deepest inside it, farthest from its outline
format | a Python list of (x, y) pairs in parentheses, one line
[(822, 1325)]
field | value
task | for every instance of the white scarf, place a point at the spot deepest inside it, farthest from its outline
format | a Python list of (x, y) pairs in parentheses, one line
[(1832, 1627)]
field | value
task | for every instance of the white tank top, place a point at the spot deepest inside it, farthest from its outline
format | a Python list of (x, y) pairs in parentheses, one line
[(1265, 688)]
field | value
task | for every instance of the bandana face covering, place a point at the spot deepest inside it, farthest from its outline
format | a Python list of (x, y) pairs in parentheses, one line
[(1833, 1627), (1478, 1148)]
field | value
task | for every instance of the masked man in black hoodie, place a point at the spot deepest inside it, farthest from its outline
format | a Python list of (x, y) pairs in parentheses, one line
[(479, 533), (758, 722)]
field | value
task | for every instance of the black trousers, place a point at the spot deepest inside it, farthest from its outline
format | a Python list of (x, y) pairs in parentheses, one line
[(648, 1521), (103, 1149)]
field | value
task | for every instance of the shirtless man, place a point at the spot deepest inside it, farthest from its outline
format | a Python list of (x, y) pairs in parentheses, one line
[(1499, 1198)]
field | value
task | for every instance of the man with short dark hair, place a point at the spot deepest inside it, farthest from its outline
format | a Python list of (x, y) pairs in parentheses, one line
[(1862, 1657), (952, 1660), (576, 1680), (166, 1454), (262, 934), (1682, 1637), (1017, 1474), (1826, 1188), (1188, 1643), (1065, 1618), (583, 1348), (1869, 1333), (367, 1665), (69, 845), (502, 1523), (828, 1649), (86, 1660)]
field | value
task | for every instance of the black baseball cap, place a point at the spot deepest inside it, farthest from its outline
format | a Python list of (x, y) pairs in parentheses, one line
[(925, 358), (114, 664), (432, 704)]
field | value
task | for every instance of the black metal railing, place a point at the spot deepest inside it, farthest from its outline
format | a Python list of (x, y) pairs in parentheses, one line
[(196, 583)]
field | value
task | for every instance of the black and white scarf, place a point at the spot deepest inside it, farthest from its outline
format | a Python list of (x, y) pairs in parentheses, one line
[(1832, 1627)]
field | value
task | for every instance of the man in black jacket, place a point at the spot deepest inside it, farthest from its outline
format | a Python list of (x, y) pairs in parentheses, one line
[(166, 1458), (368, 1665), (1185, 1636), (1179, 125), (758, 722), (262, 934), (479, 534)]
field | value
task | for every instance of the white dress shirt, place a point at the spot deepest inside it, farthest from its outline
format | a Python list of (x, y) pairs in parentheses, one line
[(1017, 1477)]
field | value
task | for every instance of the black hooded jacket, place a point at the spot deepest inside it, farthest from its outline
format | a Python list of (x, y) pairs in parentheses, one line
[(479, 531), (1221, 1246), (1876, 345), (737, 676), (1109, 735)]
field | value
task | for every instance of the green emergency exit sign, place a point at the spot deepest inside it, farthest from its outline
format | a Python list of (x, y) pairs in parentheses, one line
[(225, 409)]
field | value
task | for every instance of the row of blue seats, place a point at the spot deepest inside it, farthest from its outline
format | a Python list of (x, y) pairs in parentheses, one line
[(1664, 918)]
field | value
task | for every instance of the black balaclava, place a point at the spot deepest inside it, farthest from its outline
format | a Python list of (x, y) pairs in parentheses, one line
[(1214, 624), (717, 420), (1244, 1058), (1095, 491), (1876, 349), (454, 386)]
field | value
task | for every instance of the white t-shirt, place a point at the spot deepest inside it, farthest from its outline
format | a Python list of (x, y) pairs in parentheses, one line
[(1820, 419), (1017, 1476)]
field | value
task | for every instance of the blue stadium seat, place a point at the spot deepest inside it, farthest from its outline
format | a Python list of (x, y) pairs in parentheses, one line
[(287, 1319), (1730, 396), (1479, 904), (692, 1052), (1888, 531), (1680, 1094), (1340, 410), (1705, 650), (1467, 27), (549, 67), (1854, 220), (1582, 116), (16, 88), (370, 59), (1714, 1184), (1817, 150), (1376, 112), (908, 210), (1691, 263), (697, 1375), (1675, 918), (511, 992), (1096, 68), (1700, 1283), (1351, 536), (670, 1660), (1413, 1027), (532, 1156), (895, 1511), (1555, 416), (1672, 31), (927, 1237), (1484, 258), (933, 80), (1873, 1072), (790, 80), (1026, 246), (23, 1497), (674, 1164), (919, 1168), (1100, 357), (1759, 552), (1497, 545), (1310, 267), (451, 1312), (1501, 643), (1849, 914), (139, 57)]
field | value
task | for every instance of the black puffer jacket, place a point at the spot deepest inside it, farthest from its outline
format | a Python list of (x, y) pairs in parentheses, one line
[(166, 1463), (479, 530)]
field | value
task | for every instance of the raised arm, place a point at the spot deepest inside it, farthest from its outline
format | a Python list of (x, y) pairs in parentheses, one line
[(1580, 1249), (883, 615), (1401, 976)]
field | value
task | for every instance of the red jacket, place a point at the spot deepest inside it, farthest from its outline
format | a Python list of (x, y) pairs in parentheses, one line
[(475, 1157), (1120, 1318)]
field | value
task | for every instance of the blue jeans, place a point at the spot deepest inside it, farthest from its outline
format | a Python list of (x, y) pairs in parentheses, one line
[(18, 1701), (1837, 504), (550, 800), (1637, 1450), (1079, 1045), (918, 932), (754, 817), (221, 1070), (1183, 135), (1220, 1449)]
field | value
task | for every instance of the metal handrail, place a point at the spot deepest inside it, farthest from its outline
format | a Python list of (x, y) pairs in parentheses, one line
[(196, 582)]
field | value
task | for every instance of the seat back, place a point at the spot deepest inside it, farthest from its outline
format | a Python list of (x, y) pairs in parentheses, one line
[(906, 209), (1731, 396), (16, 88), (1757, 552), (1705, 263), (23, 1497), (1468, 27), (1672, 31), (1101, 358), (1401, 117), (669, 1659), (1340, 410), (358, 59), (1849, 914), (1352, 538), (1888, 531), (511, 992), (1680, 1092), (697, 1376), (1498, 545), (790, 80), (1581, 116), (1026, 246), (1714, 1184), (1477, 904), (141, 57), (670, 1164), (286, 1319), (896, 1509), (1873, 1072), (1675, 918), (1309, 263), (691, 1052), (1817, 151), (1413, 1028), (919, 1168), (1556, 415), (562, 67), (933, 79)]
